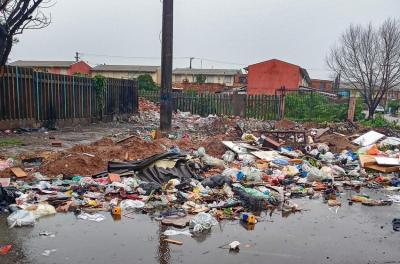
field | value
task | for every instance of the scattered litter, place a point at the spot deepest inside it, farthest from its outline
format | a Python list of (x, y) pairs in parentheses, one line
[(47, 234), (21, 218), (18, 172), (176, 242), (48, 252), (234, 245), (207, 170), (368, 138), (92, 217), (396, 224), (5, 249), (175, 233)]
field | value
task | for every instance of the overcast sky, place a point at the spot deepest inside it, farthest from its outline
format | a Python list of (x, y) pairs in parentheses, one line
[(234, 31)]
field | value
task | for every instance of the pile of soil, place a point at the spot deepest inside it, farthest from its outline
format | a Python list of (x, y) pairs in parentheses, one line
[(337, 143), (85, 160), (145, 105), (285, 124)]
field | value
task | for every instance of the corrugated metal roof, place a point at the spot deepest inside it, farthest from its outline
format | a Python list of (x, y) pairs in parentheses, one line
[(206, 71), (126, 68), (23, 63)]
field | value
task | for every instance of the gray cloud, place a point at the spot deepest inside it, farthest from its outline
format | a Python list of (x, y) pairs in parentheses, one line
[(244, 32)]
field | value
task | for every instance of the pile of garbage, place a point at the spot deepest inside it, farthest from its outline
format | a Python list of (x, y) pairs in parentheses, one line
[(192, 188)]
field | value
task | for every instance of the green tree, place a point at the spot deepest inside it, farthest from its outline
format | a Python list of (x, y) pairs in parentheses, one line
[(200, 78), (100, 83), (146, 83)]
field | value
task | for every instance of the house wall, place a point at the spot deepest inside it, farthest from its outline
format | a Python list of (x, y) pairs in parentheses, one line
[(79, 67), (126, 75), (201, 87), (267, 77), (227, 80), (322, 85), (54, 70)]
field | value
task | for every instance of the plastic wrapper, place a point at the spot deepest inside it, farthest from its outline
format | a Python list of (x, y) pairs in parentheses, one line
[(202, 222), (249, 137), (177, 232), (230, 172), (328, 157), (216, 181), (228, 191), (200, 152), (131, 204), (92, 217), (247, 159), (323, 148), (5, 164), (229, 156), (252, 174), (21, 218), (313, 173), (213, 162), (290, 171), (44, 210), (314, 152)]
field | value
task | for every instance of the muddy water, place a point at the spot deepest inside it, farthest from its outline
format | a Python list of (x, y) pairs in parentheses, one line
[(351, 234)]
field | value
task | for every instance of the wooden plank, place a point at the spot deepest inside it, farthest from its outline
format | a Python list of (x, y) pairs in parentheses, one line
[(383, 169), (176, 242), (18, 172)]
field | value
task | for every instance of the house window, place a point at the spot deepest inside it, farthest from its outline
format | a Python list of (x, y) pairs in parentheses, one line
[(227, 79), (242, 79), (322, 86)]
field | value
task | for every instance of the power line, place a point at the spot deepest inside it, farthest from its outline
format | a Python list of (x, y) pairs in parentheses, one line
[(154, 58), (84, 54), (124, 57)]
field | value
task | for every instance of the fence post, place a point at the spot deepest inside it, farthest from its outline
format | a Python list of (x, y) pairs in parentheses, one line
[(352, 108), (282, 102), (239, 104)]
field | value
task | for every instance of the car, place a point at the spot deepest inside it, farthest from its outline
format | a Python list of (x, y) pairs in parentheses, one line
[(380, 109)]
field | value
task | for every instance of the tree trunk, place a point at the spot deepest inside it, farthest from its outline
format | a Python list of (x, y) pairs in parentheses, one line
[(3, 46), (7, 51), (371, 112)]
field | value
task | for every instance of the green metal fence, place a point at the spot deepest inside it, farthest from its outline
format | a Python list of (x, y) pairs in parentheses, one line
[(41, 96), (313, 106), (255, 106)]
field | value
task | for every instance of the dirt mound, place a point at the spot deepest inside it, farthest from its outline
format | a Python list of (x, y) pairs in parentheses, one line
[(74, 164), (88, 160), (285, 124), (337, 143)]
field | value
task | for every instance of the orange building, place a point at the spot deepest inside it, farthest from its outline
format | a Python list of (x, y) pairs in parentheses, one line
[(268, 76)]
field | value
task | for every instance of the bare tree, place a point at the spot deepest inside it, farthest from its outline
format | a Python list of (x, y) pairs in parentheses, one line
[(17, 16), (368, 59)]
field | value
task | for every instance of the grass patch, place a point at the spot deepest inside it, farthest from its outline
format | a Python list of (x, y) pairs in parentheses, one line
[(10, 142), (380, 121), (318, 108)]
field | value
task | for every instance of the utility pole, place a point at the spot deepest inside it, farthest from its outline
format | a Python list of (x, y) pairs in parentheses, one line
[(191, 59), (77, 56), (166, 65)]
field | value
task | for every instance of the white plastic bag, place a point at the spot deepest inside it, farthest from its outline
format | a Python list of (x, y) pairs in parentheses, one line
[(202, 221), (213, 162), (131, 204), (43, 210), (175, 233), (21, 218), (229, 156), (92, 217)]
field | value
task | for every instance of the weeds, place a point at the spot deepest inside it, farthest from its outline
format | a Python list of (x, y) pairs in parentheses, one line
[(10, 142)]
